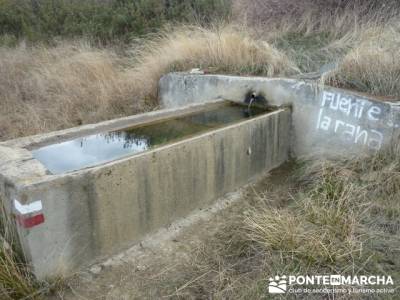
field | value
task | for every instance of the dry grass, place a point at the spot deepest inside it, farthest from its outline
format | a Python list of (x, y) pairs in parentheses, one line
[(308, 16), (372, 65), (50, 88), (338, 217), (353, 44), (221, 49), (43, 89), (316, 33), (16, 281), (320, 227)]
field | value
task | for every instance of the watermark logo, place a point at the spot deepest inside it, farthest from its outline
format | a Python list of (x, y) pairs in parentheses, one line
[(330, 284), (277, 285)]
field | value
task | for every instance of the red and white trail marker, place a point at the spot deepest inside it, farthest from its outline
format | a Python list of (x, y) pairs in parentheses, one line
[(29, 215)]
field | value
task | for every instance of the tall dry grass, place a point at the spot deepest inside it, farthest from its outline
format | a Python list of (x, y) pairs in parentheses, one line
[(318, 34), (16, 280), (222, 49), (351, 44), (372, 65), (49, 88)]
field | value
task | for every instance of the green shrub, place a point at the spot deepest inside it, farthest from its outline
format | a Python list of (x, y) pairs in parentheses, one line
[(101, 21)]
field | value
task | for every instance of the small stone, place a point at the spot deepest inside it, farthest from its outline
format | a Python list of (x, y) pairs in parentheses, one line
[(249, 151), (196, 71), (86, 276), (96, 269), (141, 267)]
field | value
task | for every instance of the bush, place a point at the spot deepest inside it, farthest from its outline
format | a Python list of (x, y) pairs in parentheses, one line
[(102, 21), (261, 12)]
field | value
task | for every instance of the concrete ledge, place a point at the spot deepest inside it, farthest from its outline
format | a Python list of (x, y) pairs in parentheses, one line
[(326, 121), (99, 211)]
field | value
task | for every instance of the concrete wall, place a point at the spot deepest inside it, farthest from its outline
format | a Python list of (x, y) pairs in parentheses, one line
[(326, 120), (93, 213)]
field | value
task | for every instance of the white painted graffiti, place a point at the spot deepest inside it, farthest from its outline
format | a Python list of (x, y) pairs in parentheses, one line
[(350, 109), (356, 108)]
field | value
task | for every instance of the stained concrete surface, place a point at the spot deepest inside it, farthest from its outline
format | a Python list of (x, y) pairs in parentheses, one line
[(149, 269)]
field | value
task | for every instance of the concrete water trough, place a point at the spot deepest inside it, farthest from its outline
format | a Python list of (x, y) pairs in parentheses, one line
[(79, 195), (82, 194)]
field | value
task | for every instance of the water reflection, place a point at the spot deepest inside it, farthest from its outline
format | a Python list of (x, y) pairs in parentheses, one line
[(100, 148)]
